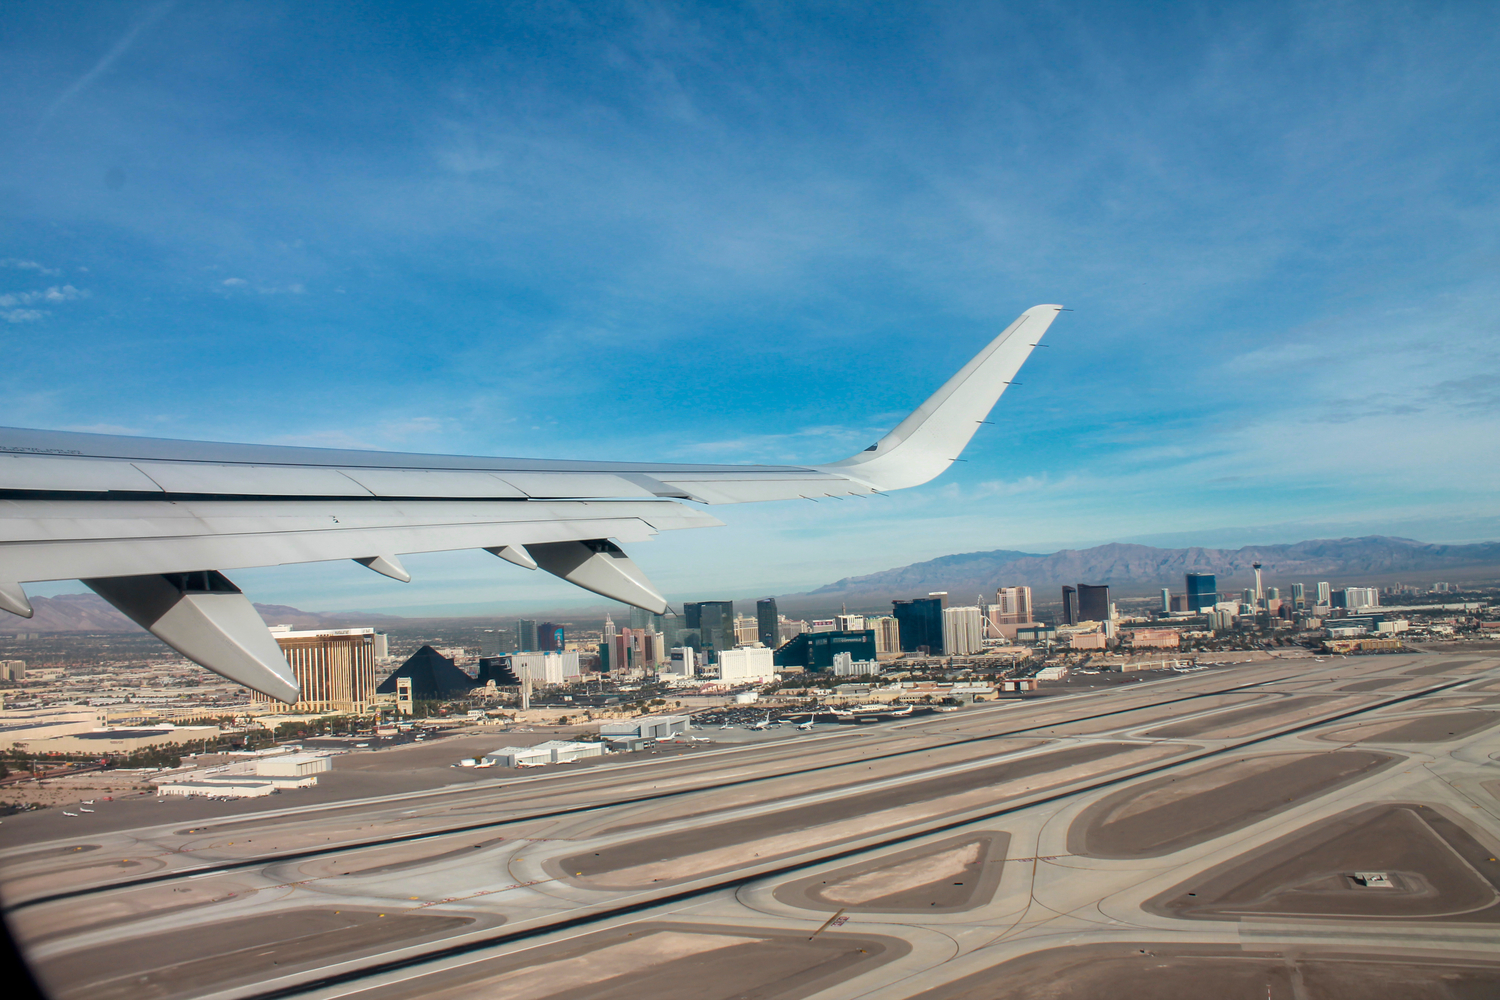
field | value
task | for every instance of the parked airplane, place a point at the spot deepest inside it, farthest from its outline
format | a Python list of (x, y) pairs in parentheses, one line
[(150, 525), (763, 723), (807, 726), (66, 813)]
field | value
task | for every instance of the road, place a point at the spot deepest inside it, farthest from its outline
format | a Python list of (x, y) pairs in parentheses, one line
[(1300, 829)]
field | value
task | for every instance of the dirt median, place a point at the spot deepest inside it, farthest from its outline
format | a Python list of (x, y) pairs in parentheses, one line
[(1168, 813)]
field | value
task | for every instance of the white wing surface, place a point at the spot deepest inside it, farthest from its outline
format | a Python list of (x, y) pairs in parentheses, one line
[(150, 524)]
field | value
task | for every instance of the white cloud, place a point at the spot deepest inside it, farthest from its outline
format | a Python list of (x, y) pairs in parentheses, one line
[(234, 282), (23, 315), (28, 265), (56, 293)]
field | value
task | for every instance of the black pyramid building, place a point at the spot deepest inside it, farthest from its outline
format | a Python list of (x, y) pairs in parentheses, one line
[(433, 677)]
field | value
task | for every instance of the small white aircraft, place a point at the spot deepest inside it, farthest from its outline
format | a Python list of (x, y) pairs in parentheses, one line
[(82, 809), (66, 813), (807, 726), (763, 723)]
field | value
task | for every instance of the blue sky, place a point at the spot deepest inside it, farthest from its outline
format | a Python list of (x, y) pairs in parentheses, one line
[(765, 232)]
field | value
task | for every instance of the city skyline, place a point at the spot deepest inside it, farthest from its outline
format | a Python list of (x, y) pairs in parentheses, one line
[(1265, 232)]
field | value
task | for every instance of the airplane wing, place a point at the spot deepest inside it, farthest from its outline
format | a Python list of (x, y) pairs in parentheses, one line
[(151, 524)]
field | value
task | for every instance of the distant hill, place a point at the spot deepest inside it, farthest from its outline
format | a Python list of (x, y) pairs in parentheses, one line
[(90, 613), (1141, 566)]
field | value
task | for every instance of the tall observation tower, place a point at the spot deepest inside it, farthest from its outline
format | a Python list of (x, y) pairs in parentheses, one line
[(1259, 594)]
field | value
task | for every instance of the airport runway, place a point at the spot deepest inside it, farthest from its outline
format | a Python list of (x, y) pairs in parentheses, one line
[(1300, 829)]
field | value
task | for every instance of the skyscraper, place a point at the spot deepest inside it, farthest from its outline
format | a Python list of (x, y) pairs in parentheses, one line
[(335, 668), (549, 636), (1324, 592), (766, 621), (1166, 600), (1299, 594), (887, 633), (746, 631), (1012, 606), (1070, 606), (1202, 591), (962, 631), (526, 636), (1093, 603), (714, 623), (920, 623)]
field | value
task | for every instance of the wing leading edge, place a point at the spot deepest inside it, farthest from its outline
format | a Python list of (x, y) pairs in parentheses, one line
[(144, 521)]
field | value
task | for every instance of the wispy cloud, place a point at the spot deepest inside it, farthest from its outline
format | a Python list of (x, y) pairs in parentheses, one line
[(153, 14), (64, 293), (29, 265)]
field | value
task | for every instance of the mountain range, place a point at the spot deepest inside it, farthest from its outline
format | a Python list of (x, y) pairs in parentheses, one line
[(1127, 568), (1340, 561)]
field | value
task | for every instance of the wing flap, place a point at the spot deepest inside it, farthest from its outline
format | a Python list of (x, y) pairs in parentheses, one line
[(47, 473), (250, 480), (435, 484)]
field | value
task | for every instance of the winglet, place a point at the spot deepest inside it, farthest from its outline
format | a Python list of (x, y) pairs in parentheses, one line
[(933, 436)]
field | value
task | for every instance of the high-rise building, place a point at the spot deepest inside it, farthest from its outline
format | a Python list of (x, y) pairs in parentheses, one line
[(849, 623), (920, 622), (1070, 606), (526, 636), (887, 633), (766, 622), (1273, 593), (644, 620), (822, 625), (684, 662), (1012, 606), (1325, 593), (335, 668), (1166, 600), (963, 633), (746, 631), (789, 628), (753, 665), (1247, 597), (1202, 591), (552, 667), (1093, 603), (1361, 597), (1299, 594), (714, 623), (550, 638)]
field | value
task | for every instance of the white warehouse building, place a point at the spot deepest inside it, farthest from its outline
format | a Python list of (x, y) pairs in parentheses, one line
[(645, 728)]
